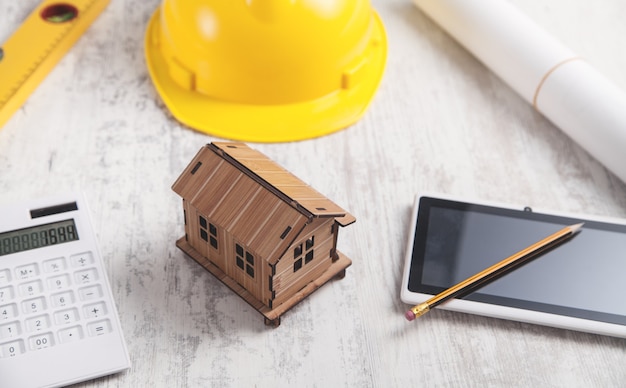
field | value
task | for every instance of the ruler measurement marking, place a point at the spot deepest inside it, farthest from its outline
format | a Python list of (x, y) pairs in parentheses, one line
[(61, 37), (30, 70), (64, 30)]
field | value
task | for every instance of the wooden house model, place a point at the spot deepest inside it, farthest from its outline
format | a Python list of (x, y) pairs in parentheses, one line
[(263, 232)]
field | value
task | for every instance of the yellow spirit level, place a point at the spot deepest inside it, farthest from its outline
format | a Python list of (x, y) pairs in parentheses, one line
[(38, 44)]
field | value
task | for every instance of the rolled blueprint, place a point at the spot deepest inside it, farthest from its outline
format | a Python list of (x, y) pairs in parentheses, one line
[(563, 87)]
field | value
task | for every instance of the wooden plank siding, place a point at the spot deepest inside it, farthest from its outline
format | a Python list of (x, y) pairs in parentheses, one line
[(240, 205), (286, 279), (276, 177), (251, 201), (224, 257), (187, 187), (192, 230)]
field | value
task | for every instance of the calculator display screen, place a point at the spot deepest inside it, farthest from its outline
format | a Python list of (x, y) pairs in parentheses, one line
[(39, 236)]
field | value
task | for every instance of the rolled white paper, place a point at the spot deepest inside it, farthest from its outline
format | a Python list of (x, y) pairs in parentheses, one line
[(568, 91)]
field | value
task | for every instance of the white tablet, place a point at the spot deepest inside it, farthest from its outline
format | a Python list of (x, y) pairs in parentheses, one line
[(579, 285)]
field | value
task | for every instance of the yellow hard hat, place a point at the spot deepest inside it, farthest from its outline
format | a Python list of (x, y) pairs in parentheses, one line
[(266, 70)]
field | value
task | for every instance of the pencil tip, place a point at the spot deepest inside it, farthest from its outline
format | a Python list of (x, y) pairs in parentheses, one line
[(575, 228)]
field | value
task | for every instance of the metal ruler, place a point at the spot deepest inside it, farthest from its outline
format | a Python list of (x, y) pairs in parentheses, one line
[(38, 44)]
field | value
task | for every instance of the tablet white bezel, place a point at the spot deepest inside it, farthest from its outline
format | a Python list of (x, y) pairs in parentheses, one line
[(497, 311)]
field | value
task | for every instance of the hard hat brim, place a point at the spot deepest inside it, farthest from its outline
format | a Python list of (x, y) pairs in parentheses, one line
[(266, 123)]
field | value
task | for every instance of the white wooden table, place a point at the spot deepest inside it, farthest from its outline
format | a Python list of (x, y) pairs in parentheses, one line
[(439, 122)]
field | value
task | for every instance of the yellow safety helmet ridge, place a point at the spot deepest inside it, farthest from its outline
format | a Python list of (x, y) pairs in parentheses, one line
[(266, 70)]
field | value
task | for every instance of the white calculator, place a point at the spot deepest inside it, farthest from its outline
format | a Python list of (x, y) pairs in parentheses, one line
[(58, 321)]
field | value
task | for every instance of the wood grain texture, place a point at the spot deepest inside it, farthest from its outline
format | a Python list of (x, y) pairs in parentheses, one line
[(440, 122)]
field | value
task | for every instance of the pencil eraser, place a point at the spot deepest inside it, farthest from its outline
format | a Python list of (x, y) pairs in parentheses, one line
[(409, 315)]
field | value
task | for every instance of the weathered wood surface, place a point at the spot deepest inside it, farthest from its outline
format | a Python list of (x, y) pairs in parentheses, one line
[(440, 122)]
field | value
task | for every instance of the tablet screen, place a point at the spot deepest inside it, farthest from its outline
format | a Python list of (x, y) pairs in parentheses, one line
[(585, 277)]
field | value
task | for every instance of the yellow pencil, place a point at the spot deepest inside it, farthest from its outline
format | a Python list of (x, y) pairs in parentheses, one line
[(495, 271)]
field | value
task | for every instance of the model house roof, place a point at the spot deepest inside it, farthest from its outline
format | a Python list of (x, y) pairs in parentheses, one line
[(252, 197)]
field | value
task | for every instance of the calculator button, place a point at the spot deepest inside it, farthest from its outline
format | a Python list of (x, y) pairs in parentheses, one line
[(10, 330), (91, 292), (12, 349), (6, 294), (66, 316), (99, 328), (82, 259), (54, 265), (38, 323), (85, 277), (31, 288), (95, 310), (27, 271), (70, 334), (62, 299), (41, 341), (59, 282), (5, 276), (34, 305), (8, 311)]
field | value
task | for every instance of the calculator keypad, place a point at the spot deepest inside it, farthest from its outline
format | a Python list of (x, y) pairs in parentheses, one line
[(51, 303)]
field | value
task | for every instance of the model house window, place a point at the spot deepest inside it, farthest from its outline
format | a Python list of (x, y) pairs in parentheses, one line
[(309, 249), (208, 232), (303, 253), (244, 260)]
